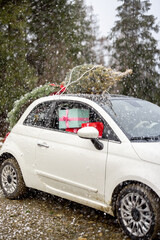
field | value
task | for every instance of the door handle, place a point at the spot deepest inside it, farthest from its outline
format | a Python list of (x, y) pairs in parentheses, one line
[(42, 145)]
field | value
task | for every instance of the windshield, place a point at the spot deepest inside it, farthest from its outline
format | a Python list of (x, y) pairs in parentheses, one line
[(140, 120)]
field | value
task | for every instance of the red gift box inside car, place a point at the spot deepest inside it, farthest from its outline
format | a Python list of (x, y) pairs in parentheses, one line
[(74, 130), (98, 125)]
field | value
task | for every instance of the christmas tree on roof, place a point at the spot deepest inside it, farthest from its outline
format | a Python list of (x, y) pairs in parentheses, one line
[(91, 79)]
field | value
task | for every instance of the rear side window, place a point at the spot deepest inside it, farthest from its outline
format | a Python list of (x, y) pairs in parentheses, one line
[(40, 116)]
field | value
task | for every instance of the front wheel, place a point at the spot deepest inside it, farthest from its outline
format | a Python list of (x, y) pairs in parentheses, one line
[(137, 210), (11, 179)]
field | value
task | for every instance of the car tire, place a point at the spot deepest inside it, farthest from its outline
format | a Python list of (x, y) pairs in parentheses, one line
[(11, 179), (137, 210)]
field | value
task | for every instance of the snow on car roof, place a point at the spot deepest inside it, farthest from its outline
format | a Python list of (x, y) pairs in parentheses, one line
[(101, 98)]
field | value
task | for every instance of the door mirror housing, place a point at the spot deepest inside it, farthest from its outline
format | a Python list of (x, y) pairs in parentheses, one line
[(91, 133), (88, 133)]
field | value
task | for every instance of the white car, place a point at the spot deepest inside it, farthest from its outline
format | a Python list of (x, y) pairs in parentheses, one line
[(108, 158)]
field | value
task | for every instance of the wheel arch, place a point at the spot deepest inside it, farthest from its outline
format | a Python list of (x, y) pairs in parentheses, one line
[(5, 156), (120, 186)]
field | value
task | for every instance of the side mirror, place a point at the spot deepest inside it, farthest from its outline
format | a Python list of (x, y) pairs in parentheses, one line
[(91, 133), (88, 132)]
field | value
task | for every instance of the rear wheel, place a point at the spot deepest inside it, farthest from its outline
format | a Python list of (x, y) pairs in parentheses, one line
[(137, 210), (11, 179)]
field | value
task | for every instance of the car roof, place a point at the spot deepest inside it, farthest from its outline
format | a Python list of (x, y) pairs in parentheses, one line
[(98, 98), (101, 96)]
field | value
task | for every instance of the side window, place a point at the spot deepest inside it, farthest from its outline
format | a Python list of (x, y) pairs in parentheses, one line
[(40, 116), (68, 116), (71, 116)]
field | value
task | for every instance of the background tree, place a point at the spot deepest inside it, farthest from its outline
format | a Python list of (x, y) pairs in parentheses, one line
[(39, 42), (15, 73), (133, 46), (63, 36)]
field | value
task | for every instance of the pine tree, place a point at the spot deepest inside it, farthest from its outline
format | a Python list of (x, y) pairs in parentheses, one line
[(15, 73), (40, 40), (133, 46), (63, 37)]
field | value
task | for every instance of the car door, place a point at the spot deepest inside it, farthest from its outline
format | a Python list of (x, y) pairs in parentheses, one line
[(68, 165), (26, 135)]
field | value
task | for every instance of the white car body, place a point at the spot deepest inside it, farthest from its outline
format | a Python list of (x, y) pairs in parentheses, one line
[(71, 167)]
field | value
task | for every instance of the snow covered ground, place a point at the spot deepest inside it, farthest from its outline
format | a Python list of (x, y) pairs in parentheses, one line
[(43, 216)]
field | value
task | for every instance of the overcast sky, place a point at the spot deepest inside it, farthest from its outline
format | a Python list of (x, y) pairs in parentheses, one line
[(106, 11)]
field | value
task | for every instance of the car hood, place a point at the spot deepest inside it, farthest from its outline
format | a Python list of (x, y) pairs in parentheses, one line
[(149, 151)]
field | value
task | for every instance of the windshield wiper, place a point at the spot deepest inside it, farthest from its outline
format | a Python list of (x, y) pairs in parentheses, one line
[(140, 138), (152, 138), (157, 137)]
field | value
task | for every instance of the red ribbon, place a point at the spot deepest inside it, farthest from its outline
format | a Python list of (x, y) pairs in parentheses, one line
[(66, 119), (63, 89)]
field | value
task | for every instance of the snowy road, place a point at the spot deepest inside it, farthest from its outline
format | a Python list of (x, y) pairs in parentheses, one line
[(42, 216)]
